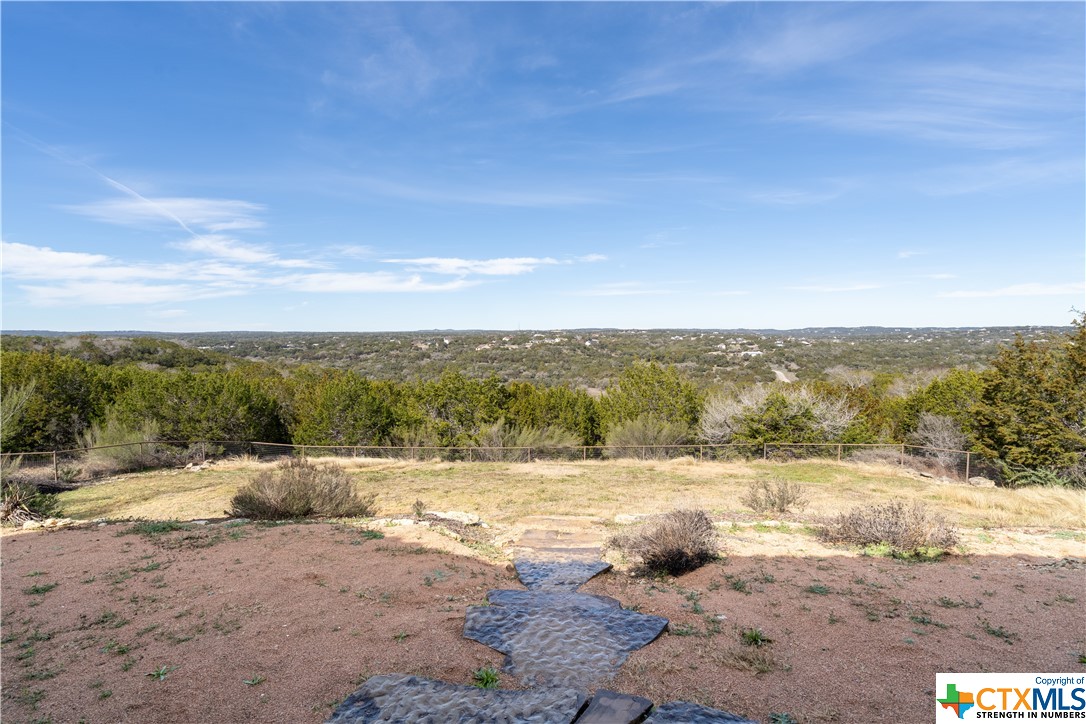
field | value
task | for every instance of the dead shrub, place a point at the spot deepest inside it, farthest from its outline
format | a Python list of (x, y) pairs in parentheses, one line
[(906, 530), (780, 497), (298, 488), (672, 543)]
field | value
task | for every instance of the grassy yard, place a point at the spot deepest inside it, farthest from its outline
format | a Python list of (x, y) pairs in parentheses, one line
[(506, 492)]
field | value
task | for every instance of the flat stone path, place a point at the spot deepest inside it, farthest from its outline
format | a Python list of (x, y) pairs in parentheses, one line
[(560, 642)]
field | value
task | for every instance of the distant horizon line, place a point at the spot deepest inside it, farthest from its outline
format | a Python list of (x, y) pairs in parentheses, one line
[(51, 332)]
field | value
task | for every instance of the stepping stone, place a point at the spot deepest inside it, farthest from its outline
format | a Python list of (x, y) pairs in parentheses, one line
[(566, 575), (609, 707), (683, 712), (560, 639), (544, 599), (402, 698)]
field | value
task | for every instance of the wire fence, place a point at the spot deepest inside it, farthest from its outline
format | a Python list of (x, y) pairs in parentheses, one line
[(74, 466)]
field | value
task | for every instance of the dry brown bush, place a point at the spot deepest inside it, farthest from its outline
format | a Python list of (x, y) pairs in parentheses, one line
[(672, 543), (908, 530), (298, 488), (779, 497)]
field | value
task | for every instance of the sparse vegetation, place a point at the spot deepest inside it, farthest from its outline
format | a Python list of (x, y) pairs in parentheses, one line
[(485, 678), (672, 543), (754, 637), (21, 502), (299, 488), (905, 530), (778, 496)]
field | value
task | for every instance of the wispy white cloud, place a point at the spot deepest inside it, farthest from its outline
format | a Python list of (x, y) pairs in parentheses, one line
[(355, 251), (50, 278), (798, 197), (487, 267), (167, 313), (622, 289), (479, 195), (1031, 289), (909, 253), (368, 282), (96, 293), (830, 289), (215, 215), (809, 40), (590, 258), (1007, 173), (940, 275)]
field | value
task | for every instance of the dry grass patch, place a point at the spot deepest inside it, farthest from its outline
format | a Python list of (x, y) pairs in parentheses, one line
[(907, 531), (672, 543), (299, 488)]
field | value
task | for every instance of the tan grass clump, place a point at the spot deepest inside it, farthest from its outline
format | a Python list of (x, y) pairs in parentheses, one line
[(907, 530), (298, 488), (672, 543)]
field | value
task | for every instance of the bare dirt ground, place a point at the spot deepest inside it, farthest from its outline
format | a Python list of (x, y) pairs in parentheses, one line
[(234, 623)]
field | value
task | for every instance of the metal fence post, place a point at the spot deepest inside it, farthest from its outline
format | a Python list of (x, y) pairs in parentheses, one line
[(584, 453), (838, 452), (56, 471), (901, 459), (143, 460), (967, 466), (469, 454), (765, 451), (701, 453), (529, 455), (203, 452)]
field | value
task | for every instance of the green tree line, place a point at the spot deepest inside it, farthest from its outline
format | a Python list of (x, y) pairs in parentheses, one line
[(1027, 410)]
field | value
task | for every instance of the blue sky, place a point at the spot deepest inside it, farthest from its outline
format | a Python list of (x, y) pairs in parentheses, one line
[(360, 166)]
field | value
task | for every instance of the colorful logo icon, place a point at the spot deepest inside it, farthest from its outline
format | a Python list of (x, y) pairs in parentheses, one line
[(958, 701)]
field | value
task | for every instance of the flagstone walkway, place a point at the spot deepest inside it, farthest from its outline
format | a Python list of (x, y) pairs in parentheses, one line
[(562, 643)]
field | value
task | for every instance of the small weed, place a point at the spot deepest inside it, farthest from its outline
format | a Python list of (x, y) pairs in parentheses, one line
[(105, 694), (116, 648), (739, 584), (684, 629), (400, 636), (161, 672), (1009, 637), (255, 681), (834, 618), (418, 508), (925, 620), (128, 664), (152, 528), (781, 718), (28, 652), (43, 675), (37, 635), (107, 619), (152, 566), (754, 637), (40, 589), (946, 602), (818, 589), (367, 534), (1064, 598), (1082, 659), (34, 574), (485, 678), (31, 698), (148, 629)]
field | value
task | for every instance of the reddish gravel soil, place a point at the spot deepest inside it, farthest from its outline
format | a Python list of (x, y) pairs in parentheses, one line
[(280, 623)]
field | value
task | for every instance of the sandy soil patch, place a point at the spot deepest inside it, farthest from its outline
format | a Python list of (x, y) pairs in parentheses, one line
[(305, 613)]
